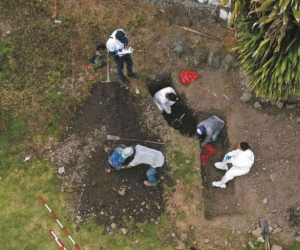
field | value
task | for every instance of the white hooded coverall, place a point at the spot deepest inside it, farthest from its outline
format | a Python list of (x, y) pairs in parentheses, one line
[(161, 100), (241, 161)]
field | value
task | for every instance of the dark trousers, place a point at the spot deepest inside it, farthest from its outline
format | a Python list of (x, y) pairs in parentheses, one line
[(120, 65)]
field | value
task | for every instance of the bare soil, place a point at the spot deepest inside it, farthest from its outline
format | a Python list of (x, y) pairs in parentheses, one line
[(114, 109)]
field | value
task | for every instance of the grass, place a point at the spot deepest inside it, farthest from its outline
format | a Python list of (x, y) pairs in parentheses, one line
[(26, 221), (185, 161)]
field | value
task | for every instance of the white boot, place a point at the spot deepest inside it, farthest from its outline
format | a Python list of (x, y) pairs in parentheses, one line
[(219, 184), (221, 165)]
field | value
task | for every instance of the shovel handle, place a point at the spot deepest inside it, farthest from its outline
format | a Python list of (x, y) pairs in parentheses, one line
[(181, 117)]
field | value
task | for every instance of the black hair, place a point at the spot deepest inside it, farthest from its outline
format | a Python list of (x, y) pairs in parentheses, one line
[(172, 97), (244, 146)]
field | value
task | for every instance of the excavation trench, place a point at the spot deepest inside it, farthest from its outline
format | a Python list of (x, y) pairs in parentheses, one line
[(218, 201)]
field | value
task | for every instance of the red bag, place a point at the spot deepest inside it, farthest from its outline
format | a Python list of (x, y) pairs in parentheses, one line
[(187, 76), (208, 151)]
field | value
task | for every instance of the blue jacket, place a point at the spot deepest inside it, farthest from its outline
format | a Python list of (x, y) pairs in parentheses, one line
[(116, 159)]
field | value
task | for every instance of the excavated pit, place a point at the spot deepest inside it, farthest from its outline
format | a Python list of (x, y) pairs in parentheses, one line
[(218, 201)]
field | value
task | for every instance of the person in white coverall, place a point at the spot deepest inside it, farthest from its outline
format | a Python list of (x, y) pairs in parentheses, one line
[(165, 98), (149, 156), (241, 159)]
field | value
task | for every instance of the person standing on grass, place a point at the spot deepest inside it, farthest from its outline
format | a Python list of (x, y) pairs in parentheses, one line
[(210, 129), (115, 44), (241, 159), (165, 98), (149, 156)]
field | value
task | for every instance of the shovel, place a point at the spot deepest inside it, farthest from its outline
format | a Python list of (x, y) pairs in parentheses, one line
[(117, 138), (108, 69), (177, 122), (265, 227)]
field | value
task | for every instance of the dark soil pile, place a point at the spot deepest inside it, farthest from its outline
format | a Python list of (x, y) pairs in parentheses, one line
[(101, 191)]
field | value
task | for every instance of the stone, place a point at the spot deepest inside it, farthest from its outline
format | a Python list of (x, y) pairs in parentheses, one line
[(78, 218), (277, 230), (265, 200), (260, 239), (122, 191), (246, 96), (250, 244), (178, 50), (273, 176), (213, 62), (244, 81), (276, 247), (257, 232), (62, 188), (200, 57), (206, 241), (61, 170), (124, 230), (291, 106), (113, 226), (257, 105), (173, 235), (279, 104), (229, 60), (107, 149)]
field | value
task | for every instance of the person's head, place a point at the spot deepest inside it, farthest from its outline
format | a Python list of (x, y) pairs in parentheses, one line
[(244, 146), (120, 35), (127, 152), (172, 97), (201, 130)]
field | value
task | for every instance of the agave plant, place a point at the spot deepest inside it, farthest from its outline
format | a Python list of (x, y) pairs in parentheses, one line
[(269, 46)]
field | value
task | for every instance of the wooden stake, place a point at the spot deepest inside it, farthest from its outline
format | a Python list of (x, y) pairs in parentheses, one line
[(263, 146), (202, 34), (55, 10)]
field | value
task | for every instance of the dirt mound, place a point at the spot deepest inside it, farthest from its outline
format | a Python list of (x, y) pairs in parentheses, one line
[(101, 191)]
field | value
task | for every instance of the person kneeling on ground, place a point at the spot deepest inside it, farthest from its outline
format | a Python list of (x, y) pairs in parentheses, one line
[(118, 156), (241, 159), (165, 98), (210, 128), (149, 156)]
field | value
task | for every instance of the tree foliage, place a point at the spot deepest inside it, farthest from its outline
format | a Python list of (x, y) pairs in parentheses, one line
[(269, 45)]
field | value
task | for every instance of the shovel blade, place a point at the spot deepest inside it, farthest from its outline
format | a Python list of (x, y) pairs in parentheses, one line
[(264, 226)]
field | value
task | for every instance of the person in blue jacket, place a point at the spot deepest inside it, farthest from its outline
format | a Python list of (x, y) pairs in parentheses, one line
[(118, 156)]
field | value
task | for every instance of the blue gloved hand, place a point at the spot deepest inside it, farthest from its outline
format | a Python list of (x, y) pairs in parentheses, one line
[(228, 157)]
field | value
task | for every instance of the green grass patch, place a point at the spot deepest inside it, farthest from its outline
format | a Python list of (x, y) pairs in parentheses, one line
[(296, 246), (185, 162)]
